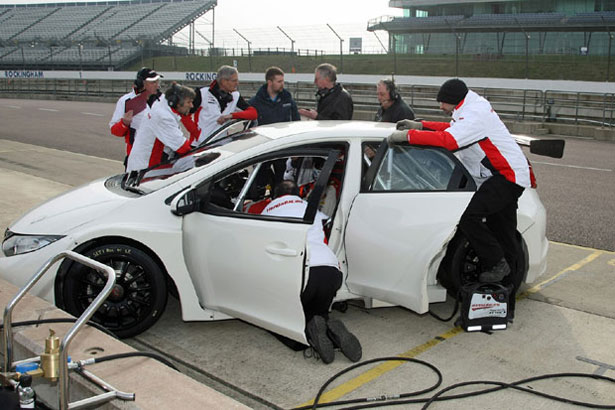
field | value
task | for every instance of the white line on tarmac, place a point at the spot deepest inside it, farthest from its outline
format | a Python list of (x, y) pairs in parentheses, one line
[(48, 109), (13, 106), (572, 166), (92, 113)]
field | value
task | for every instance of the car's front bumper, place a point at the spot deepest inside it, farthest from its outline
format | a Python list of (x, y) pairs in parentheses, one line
[(19, 269)]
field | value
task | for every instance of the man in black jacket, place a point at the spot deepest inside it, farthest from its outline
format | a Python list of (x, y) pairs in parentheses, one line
[(392, 107), (333, 101), (272, 101)]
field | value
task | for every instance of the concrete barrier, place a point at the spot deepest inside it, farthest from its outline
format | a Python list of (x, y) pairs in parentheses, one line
[(155, 385)]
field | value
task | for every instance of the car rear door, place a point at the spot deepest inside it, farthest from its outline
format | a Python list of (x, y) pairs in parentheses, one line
[(251, 266), (408, 207)]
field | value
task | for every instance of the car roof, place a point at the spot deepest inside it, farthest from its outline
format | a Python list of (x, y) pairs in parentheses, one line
[(330, 129)]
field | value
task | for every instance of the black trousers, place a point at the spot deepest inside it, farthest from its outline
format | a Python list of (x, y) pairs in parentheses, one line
[(323, 283), (490, 221)]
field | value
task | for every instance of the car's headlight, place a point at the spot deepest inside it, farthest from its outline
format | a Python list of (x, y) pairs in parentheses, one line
[(16, 244)]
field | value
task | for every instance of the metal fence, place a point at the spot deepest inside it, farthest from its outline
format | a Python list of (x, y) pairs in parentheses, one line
[(578, 108)]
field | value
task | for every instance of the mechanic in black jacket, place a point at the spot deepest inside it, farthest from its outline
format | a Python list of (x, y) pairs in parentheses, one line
[(392, 107), (272, 101), (333, 101)]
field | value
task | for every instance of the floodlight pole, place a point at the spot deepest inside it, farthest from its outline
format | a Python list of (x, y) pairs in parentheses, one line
[(394, 47), (382, 45), (80, 46), (341, 48), (191, 38), (608, 61), (292, 46), (527, 49), (292, 42), (211, 46), (249, 51)]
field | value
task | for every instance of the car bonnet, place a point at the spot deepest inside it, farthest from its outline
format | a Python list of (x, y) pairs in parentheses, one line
[(60, 215)]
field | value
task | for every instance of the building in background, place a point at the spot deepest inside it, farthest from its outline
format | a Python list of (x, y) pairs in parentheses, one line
[(483, 27)]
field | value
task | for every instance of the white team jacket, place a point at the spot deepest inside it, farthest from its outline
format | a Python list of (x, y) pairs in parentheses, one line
[(480, 140), (160, 129), (209, 112)]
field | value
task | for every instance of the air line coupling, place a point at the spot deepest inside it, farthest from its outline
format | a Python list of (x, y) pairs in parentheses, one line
[(50, 360)]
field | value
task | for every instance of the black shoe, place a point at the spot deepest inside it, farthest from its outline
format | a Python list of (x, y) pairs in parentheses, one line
[(346, 341), (316, 332), (496, 273)]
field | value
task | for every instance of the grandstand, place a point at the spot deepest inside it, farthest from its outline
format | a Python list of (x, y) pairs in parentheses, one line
[(500, 27), (100, 35)]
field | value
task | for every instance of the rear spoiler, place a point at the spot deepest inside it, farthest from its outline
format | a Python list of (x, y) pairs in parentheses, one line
[(547, 147)]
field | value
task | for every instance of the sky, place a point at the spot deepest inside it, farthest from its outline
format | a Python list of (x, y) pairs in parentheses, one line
[(304, 21)]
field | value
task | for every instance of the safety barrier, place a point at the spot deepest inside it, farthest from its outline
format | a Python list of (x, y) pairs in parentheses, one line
[(578, 108)]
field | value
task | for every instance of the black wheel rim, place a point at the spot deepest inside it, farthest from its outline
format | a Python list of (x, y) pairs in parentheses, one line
[(470, 267), (130, 301)]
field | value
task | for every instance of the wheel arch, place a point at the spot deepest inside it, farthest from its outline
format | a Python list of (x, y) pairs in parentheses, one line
[(458, 240), (106, 240)]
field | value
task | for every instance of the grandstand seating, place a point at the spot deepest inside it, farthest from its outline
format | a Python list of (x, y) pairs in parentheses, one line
[(496, 22), (87, 34)]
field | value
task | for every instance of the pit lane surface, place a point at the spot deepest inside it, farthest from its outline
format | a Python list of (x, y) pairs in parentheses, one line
[(566, 323)]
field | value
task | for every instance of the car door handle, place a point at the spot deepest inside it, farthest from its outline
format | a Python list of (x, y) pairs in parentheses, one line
[(281, 251)]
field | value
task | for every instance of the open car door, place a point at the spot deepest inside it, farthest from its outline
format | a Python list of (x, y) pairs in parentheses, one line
[(408, 207), (251, 266)]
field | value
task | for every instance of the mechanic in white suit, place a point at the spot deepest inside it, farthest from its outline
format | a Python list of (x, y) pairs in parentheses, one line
[(132, 108), (324, 279), (495, 161), (219, 103), (161, 132)]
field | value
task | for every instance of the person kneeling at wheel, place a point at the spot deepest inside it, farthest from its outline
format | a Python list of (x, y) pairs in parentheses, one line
[(323, 334)]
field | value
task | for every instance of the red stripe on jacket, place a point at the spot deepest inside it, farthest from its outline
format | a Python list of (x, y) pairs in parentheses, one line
[(249, 113), (433, 138), (497, 160)]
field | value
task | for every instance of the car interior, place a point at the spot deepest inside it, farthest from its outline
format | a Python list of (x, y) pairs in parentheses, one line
[(246, 191)]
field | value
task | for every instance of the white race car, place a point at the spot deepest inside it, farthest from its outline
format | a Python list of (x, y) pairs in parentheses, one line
[(192, 227)]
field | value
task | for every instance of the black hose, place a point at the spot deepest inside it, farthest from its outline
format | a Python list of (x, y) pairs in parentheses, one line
[(515, 385), (60, 320), (133, 354), (102, 329), (379, 401), (455, 309)]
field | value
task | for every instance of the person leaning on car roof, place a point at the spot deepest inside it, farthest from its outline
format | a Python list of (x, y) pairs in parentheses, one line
[(132, 108), (219, 103), (495, 161), (333, 102), (161, 130), (324, 279)]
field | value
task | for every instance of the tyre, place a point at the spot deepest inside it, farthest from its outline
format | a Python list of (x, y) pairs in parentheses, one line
[(461, 265), (137, 299)]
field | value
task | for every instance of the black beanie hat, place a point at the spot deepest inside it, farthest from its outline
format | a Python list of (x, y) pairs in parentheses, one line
[(452, 92)]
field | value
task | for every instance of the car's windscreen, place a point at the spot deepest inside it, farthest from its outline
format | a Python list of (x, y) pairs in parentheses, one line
[(168, 172)]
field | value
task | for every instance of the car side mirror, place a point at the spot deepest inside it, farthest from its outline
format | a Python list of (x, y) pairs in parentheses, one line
[(185, 202)]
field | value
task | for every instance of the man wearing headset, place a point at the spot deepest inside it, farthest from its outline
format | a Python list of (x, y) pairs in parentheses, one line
[(161, 131), (219, 103), (132, 108), (392, 107), (333, 102)]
